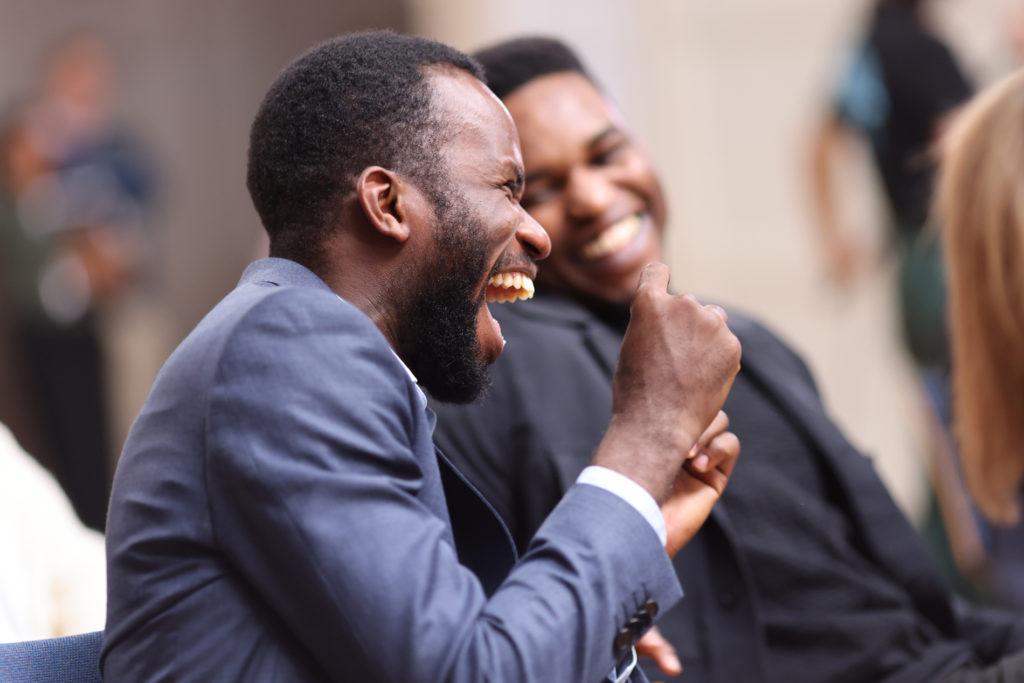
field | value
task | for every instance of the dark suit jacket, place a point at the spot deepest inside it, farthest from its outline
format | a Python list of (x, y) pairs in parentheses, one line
[(550, 402), (279, 514)]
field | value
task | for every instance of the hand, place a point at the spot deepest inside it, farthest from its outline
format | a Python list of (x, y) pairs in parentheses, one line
[(653, 646), (700, 483), (676, 366)]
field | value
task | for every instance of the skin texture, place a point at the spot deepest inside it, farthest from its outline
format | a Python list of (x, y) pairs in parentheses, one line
[(585, 172)]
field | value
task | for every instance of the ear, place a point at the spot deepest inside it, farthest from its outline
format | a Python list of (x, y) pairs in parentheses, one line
[(383, 195)]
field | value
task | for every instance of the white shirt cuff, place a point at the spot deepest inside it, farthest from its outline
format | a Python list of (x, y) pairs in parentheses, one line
[(629, 491)]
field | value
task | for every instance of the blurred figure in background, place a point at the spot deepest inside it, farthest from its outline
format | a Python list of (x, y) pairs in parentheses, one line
[(52, 568), (981, 201), (899, 90), (73, 202), (898, 93)]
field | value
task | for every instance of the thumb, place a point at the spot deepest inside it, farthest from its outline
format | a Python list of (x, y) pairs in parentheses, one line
[(654, 275), (654, 646)]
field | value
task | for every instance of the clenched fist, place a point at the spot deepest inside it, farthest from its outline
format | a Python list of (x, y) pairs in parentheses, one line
[(676, 366)]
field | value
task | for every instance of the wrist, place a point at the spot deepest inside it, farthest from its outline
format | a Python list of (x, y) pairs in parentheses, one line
[(649, 453)]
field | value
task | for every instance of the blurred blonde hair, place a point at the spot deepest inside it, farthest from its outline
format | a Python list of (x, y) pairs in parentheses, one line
[(981, 202)]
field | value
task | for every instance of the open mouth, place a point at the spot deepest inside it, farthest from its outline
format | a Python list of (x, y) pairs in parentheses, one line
[(506, 287), (614, 238)]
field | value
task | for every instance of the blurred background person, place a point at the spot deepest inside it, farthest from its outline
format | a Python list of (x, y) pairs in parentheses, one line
[(173, 82), (900, 86), (981, 202), (118, 86), (898, 93), (76, 192)]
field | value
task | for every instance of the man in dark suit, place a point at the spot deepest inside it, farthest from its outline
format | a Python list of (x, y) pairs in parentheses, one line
[(279, 511), (806, 570)]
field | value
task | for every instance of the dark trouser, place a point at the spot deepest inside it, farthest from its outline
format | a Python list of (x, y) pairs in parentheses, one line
[(65, 369), (1007, 670)]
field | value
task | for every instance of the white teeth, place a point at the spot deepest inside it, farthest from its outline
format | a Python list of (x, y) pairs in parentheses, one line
[(612, 239), (510, 287)]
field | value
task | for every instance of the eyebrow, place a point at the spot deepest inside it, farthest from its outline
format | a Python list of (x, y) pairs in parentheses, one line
[(600, 137), (593, 142)]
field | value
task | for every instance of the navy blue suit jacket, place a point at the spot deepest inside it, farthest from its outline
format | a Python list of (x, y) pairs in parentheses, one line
[(279, 514)]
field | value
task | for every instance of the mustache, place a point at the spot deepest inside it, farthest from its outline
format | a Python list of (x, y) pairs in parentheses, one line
[(512, 262)]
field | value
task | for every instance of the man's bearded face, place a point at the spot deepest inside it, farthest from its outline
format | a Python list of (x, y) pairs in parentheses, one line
[(439, 323)]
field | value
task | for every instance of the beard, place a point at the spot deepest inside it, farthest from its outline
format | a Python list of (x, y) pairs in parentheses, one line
[(437, 334)]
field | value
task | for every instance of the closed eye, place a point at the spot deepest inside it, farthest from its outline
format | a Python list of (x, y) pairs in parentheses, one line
[(515, 186)]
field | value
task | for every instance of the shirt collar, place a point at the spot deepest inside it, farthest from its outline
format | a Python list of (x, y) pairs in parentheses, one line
[(412, 378)]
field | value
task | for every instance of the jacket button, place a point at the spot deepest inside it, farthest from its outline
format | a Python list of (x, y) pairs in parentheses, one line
[(650, 608), (623, 641), (640, 622)]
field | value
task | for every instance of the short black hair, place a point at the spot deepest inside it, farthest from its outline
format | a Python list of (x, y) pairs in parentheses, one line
[(512, 63), (354, 101)]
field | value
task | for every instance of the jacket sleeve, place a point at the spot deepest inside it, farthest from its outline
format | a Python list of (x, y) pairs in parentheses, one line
[(312, 481)]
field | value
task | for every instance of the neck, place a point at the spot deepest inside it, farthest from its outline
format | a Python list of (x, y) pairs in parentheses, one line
[(366, 279), (373, 301)]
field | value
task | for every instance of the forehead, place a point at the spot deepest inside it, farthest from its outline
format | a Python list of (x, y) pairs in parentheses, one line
[(483, 132), (558, 115)]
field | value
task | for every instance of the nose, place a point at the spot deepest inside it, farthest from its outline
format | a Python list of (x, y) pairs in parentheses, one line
[(533, 236), (588, 193)]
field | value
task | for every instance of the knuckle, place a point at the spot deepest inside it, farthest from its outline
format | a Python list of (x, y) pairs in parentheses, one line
[(645, 297), (719, 448), (733, 346)]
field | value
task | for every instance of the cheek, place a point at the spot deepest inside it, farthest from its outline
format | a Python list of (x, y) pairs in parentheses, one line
[(639, 176), (504, 226)]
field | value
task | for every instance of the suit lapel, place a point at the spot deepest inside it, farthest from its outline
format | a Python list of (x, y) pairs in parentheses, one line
[(482, 540)]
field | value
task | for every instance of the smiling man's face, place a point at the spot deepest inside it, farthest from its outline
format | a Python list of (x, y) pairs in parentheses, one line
[(591, 186)]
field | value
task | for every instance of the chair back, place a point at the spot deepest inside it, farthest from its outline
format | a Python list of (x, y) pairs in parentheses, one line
[(71, 659)]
